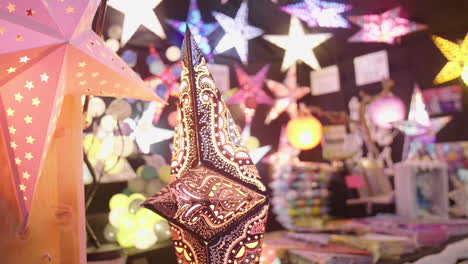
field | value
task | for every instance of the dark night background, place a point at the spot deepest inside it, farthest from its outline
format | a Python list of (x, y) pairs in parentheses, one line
[(413, 59)]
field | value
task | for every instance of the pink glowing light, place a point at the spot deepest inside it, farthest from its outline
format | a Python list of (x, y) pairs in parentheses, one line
[(387, 110)]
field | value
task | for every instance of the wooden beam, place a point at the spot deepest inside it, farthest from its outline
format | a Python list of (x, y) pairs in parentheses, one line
[(56, 229)]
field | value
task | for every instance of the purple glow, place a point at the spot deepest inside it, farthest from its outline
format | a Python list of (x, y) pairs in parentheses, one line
[(317, 13), (198, 27), (385, 27), (387, 110)]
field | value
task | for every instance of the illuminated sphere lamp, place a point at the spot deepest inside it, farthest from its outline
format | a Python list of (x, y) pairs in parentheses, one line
[(173, 53), (165, 173), (144, 238), (125, 238), (386, 110), (304, 132), (92, 145), (252, 143), (119, 200)]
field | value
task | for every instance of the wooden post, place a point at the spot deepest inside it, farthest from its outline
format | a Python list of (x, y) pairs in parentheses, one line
[(56, 229)]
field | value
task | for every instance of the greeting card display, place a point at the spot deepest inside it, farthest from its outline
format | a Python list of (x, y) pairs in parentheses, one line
[(216, 202), (300, 197)]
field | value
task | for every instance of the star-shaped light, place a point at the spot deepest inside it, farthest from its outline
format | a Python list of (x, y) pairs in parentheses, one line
[(145, 133), (457, 56), (256, 154), (199, 28), (318, 13), (385, 27), (286, 154), (216, 202), (298, 46), (43, 70), (287, 93), (420, 130), (238, 32), (136, 14), (250, 92)]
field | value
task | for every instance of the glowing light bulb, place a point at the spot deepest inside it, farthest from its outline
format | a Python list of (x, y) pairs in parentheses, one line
[(119, 200)]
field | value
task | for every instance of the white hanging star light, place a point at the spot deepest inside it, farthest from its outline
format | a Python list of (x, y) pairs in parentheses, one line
[(298, 46), (420, 130), (145, 133), (136, 14), (238, 32)]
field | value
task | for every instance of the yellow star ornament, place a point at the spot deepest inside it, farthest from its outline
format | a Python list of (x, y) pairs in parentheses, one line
[(457, 56), (298, 46)]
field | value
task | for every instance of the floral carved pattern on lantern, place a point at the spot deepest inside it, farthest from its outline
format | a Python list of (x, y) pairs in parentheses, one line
[(216, 201)]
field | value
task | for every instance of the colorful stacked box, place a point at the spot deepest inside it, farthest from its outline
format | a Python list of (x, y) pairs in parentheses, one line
[(300, 196)]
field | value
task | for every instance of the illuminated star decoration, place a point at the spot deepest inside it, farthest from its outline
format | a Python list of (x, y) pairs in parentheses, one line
[(286, 154), (298, 46), (199, 28), (287, 93), (238, 32), (69, 59), (136, 14), (250, 92), (317, 13), (256, 154), (166, 83), (457, 56), (420, 130), (385, 27), (145, 133), (216, 202)]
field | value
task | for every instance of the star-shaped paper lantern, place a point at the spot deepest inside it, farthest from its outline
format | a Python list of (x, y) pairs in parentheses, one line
[(238, 32), (298, 46), (287, 93), (200, 29), (136, 14), (250, 92), (385, 27), (286, 154), (45, 56), (166, 83), (420, 130), (145, 133), (457, 56), (318, 13), (216, 202)]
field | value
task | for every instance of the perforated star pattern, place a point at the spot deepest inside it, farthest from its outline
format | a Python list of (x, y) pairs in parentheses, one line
[(250, 92), (216, 202), (385, 27), (200, 29), (318, 13), (420, 130), (238, 32), (287, 94), (48, 53), (298, 46), (457, 56)]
